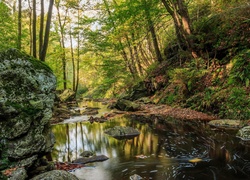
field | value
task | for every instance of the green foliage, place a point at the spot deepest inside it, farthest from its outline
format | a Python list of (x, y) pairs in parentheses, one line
[(236, 105), (82, 90), (171, 97), (189, 77), (240, 72), (8, 35), (230, 103)]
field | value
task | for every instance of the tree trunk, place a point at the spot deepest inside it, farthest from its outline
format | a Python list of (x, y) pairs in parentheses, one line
[(177, 24), (136, 54), (61, 26), (123, 52), (152, 31), (78, 49), (34, 29), (47, 31), (19, 36), (132, 58), (73, 62), (183, 11), (144, 56), (41, 29), (62, 42), (179, 12), (30, 27)]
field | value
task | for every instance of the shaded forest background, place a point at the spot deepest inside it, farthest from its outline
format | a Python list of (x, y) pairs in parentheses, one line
[(193, 54)]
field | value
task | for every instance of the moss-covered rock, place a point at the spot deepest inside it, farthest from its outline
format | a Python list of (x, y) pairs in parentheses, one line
[(26, 99), (121, 132), (244, 133), (56, 175), (67, 95), (226, 124), (18, 174), (126, 105)]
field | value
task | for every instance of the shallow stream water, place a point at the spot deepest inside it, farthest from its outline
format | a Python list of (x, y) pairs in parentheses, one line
[(163, 150)]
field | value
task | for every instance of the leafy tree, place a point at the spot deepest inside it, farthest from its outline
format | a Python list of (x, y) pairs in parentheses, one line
[(7, 27), (47, 31), (19, 43), (34, 29), (178, 10)]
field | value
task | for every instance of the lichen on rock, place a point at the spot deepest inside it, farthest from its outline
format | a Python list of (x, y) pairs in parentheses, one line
[(56, 175), (120, 132), (27, 96), (244, 133)]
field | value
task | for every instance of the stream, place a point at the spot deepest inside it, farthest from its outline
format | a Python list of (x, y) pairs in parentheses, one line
[(163, 150)]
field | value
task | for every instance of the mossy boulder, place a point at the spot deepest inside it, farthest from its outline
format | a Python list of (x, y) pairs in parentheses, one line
[(226, 124), (120, 132), (27, 96), (87, 153), (244, 133), (126, 105), (56, 175), (91, 159), (67, 95)]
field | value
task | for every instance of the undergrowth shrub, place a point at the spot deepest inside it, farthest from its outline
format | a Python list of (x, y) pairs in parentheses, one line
[(229, 103), (240, 72), (236, 106), (203, 101), (187, 78)]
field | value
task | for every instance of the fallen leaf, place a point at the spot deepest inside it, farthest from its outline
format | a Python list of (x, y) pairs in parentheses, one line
[(195, 160)]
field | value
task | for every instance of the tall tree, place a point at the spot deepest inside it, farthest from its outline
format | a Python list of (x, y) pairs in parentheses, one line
[(147, 4), (30, 27), (73, 61), (8, 28), (120, 47), (47, 31), (78, 47), (62, 23), (19, 36), (41, 28), (34, 29), (179, 12)]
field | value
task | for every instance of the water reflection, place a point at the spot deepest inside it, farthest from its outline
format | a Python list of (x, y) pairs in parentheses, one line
[(168, 150)]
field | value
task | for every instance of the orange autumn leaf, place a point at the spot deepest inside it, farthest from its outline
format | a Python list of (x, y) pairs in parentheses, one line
[(195, 160), (8, 172)]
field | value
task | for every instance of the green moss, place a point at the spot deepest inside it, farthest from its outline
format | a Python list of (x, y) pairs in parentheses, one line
[(16, 54), (23, 107)]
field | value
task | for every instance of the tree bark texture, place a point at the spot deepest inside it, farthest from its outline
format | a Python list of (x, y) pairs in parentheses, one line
[(34, 30), (19, 36), (47, 31), (41, 28)]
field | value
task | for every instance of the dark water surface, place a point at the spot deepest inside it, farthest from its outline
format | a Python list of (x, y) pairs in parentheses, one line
[(175, 150)]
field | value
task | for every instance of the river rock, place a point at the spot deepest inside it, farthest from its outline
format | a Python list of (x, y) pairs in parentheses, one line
[(91, 159), (244, 133), (135, 177), (90, 111), (120, 132), (26, 99), (225, 124), (87, 153), (126, 105), (18, 174), (56, 175), (67, 95)]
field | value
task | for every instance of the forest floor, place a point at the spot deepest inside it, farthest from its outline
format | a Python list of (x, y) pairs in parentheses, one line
[(146, 110), (168, 112)]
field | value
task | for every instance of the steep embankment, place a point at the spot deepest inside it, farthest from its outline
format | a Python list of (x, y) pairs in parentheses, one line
[(218, 81)]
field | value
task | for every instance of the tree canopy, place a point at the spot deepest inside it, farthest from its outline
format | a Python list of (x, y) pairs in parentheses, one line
[(105, 47)]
